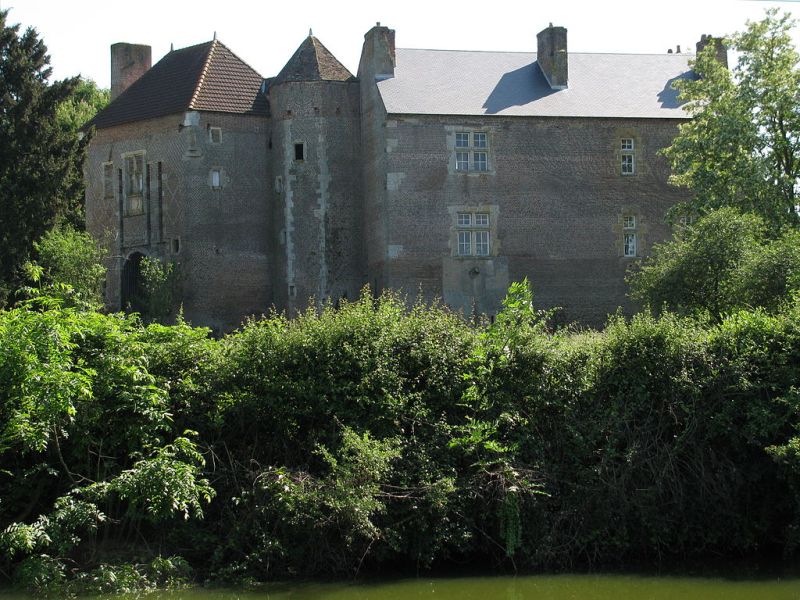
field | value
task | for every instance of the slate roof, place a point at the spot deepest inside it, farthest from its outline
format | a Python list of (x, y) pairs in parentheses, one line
[(207, 76), (313, 62), (447, 82)]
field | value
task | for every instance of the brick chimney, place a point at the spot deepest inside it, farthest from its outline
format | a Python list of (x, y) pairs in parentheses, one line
[(378, 53), (719, 44), (552, 56), (128, 63)]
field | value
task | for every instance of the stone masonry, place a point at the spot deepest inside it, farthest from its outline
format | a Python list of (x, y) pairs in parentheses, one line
[(300, 189)]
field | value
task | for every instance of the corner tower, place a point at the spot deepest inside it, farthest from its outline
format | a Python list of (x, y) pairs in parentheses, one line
[(315, 157)]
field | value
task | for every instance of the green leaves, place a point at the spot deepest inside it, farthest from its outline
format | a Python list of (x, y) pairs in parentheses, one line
[(723, 262), (742, 146)]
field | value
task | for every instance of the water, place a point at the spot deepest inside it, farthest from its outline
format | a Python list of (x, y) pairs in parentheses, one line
[(556, 587)]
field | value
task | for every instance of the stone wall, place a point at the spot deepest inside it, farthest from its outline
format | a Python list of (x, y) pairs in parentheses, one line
[(217, 235), (556, 199), (317, 195)]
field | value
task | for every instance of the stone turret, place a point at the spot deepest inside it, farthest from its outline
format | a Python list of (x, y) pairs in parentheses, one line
[(552, 56), (314, 104)]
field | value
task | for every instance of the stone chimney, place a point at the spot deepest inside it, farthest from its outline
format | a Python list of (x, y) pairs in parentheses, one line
[(377, 55), (128, 63), (719, 44), (552, 56)]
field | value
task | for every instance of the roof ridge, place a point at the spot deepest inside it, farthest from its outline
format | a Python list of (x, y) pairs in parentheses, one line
[(673, 54), (203, 73)]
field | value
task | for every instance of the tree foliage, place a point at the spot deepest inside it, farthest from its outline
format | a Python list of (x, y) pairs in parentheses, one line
[(723, 262), (40, 160), (742, 146)]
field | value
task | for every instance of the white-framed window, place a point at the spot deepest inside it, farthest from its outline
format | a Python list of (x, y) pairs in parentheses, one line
[(215, 178), (215, 135), (472, 151), (627, 156), (134, 183), (473, 234), (629, 242), (685, 220), (629, 222)]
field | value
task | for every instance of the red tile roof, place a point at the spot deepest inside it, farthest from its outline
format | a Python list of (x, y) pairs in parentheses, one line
[(207, 77)]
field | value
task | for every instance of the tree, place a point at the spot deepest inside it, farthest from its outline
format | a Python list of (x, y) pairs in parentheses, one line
[(40, 160), (724, 262), (742, 146), (85, 103), (69, 265)]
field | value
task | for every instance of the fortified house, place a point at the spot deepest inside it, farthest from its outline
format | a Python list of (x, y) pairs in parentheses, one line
[(446, 174)]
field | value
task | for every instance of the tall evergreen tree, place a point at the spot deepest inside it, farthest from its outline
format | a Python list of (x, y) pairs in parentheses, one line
[(40, 159)]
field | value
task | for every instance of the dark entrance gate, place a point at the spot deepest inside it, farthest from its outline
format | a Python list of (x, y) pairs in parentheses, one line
[(132, 290)]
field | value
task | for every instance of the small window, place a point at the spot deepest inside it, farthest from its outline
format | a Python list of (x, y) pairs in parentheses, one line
[(299, 151), (627, 164), (176, 245), (464, 243), (215, 135), (482, 243), (629, 222), (472, 151), (473, 236), (134, 174), (630, 244), (216, 178), (686, 220), (108, 180)]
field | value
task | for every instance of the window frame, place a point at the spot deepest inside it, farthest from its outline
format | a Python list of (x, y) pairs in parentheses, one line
[(627, 147), (473, 235), (133, 167), (629, 250), (211, 131), (471, 151)]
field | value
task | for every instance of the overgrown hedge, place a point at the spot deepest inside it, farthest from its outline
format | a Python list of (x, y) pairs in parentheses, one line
[(373, 437)]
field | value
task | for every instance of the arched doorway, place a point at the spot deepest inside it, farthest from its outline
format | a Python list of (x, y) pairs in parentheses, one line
[(131, 292)]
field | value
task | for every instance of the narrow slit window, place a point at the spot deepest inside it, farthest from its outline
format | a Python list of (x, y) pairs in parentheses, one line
[(216, 178), (299, 151)]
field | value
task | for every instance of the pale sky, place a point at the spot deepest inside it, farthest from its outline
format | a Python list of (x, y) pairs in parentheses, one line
[(266, 33)]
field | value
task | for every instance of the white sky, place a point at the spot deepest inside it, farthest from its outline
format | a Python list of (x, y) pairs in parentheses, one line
[(265, 33)]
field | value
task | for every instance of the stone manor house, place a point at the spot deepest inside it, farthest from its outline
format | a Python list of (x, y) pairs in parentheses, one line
[(448, 174)]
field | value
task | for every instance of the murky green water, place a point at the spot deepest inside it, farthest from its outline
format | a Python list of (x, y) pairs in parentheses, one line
[(557, 587)]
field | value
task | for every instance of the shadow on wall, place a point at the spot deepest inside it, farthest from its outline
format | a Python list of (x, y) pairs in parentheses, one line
[(517, 88)]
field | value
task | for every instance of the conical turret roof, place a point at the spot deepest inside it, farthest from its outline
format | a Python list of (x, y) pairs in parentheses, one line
[(313, 62)]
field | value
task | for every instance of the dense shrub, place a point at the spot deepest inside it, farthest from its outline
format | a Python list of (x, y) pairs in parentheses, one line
[(374, 436)]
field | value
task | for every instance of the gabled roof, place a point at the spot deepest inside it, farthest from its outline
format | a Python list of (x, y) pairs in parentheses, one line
[(207, 76), (447, 82), (313, 62)]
